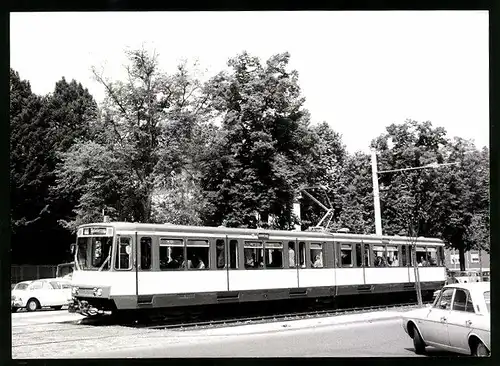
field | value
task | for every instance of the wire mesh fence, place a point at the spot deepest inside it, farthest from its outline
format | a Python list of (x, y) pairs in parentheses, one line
[(31, 272)]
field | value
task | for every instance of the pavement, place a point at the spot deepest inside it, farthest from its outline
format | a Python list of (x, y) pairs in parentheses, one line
[(375, 334)]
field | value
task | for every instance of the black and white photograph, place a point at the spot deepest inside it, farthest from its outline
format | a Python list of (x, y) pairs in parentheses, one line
[(249, 184)]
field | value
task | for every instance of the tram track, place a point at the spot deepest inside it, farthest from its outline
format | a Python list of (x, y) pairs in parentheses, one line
[(238, 321)]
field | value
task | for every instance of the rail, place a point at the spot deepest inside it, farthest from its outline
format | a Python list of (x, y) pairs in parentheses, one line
[(237, 321)]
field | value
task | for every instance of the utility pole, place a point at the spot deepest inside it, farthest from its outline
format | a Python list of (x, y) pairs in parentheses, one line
[(413, 238), (376, 194)]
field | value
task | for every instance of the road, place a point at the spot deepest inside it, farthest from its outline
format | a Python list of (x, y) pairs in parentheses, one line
[(64, 339), (379, 339)]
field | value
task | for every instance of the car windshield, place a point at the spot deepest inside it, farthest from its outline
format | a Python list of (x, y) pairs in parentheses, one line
[(487, 300), (94, 253), (21, 286)]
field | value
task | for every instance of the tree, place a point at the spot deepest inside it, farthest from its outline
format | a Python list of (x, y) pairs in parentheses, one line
[(262, 152), (410, 196), (42, 127), (326, 171), (355, 196), (140, 140), (441, 202), (464, 215), (29, 171)]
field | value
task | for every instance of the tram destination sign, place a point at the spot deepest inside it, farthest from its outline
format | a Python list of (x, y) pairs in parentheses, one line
[(95, 231)]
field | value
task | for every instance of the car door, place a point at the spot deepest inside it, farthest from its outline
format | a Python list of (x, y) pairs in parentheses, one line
[(434, 328), (36, 290), (50, 293), (461, 320), (57, 294)]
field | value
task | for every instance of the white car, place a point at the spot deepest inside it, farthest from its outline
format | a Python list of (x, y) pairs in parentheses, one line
[(458, 321), (33, 295)]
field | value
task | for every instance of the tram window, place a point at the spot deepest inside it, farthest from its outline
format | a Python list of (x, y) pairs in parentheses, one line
[(146, 252), (316, 255), (404, 255), (233, 254), (346, 255), (380, 258), (254, 254), (273, 255), (392, 256), (122, 260), (197, 254), (302, 254), (359, 262), (421, 255), (291, 254), (220, 253), (367, 256), (171, 254), (431, 257), (100, 253)]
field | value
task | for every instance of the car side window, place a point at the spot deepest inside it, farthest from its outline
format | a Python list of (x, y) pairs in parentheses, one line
[(460, 300), (54, 285), (36, 285), (469, 307), (444, 301)]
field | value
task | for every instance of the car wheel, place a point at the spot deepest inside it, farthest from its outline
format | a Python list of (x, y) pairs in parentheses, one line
[(481, 350), (32, 305), (418, 343), (57, 307)]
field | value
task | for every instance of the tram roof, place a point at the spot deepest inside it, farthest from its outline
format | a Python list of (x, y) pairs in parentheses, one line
[(165, 228)]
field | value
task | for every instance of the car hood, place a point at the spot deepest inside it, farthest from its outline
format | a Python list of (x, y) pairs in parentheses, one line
[(19, 293)]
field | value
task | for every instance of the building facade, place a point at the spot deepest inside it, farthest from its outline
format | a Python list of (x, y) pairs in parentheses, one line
[(473, 259)]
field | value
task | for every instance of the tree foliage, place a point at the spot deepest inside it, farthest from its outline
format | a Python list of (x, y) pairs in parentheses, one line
[(236, 150), (41, 128), (145, 136), (262, 152)]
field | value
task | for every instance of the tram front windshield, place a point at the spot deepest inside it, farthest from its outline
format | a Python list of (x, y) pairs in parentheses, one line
[(94, 253)]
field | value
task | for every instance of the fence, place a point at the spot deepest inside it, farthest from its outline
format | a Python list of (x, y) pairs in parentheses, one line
[(31, 272)]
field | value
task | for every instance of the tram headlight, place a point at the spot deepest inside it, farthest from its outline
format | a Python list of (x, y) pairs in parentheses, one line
[(74, 290), (97, 291)]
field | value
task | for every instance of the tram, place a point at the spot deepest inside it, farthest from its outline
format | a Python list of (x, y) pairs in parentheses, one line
[(136, 266)]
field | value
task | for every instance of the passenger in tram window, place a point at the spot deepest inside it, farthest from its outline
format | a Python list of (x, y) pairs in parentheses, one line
[(318, 263), (221, 259), (250, 260), (198, 262), (395, 262)]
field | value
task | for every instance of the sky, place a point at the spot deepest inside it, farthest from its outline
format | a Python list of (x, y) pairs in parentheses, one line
[(359, 71)]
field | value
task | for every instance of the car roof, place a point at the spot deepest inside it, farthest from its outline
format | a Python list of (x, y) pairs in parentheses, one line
[(481, 286), (22, 282)]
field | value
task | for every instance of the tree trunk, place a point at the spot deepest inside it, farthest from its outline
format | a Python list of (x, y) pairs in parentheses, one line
[(461, 256)]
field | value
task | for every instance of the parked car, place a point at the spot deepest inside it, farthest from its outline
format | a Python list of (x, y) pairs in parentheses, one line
[(34, 295), (458, 321)]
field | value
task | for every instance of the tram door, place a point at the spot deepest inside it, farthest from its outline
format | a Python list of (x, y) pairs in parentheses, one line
[(300, 258), (143, 263)]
